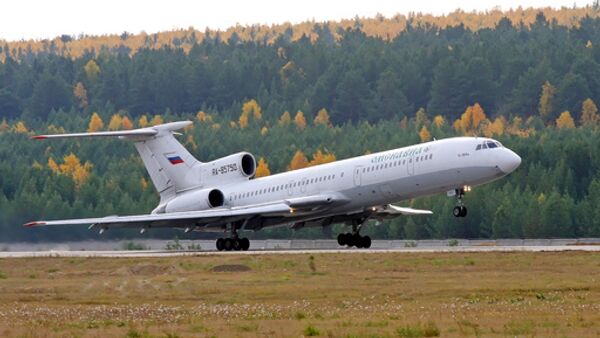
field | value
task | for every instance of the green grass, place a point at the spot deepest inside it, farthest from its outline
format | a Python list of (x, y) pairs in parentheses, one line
[(345, 295)]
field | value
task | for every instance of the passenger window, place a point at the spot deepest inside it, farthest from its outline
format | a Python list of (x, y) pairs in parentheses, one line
[(430, 156)]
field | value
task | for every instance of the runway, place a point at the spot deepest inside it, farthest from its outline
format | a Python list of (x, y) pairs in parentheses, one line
[(166, 253)]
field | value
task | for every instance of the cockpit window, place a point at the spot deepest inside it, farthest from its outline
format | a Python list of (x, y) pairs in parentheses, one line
[(489, 145)]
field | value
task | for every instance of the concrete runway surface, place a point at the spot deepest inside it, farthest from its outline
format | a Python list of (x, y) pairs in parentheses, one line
[(164, 253)]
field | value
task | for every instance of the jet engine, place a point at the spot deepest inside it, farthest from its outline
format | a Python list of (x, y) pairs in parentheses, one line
[(236, 167), (196, 200)]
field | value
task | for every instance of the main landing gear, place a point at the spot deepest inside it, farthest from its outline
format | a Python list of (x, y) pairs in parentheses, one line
[(460, 210), (354, 238), (233, 243)]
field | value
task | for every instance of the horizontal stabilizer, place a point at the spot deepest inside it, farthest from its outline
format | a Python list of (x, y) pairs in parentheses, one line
[(135, 133)]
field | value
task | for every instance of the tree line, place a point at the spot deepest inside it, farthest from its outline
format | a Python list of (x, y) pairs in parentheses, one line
[(296, 101), (555, 192)]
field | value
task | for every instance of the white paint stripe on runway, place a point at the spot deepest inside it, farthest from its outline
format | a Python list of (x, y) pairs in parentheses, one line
[(155, 253)]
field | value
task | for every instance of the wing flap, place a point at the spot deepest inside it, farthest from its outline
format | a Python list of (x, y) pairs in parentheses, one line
[(393, 210)]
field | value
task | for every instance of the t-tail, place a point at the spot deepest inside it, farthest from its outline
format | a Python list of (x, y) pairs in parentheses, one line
[(170, 166)]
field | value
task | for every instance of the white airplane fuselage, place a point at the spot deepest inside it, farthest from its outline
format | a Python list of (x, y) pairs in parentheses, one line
[(384, 177)]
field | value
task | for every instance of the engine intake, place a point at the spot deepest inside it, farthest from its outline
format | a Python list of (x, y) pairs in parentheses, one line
[(248, 165), (196, 200), (236, 167), (216, 198)]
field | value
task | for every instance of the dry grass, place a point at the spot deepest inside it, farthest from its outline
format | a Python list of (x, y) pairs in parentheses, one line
[(338, 295)]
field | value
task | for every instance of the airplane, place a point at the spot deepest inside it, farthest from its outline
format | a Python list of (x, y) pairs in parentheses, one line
[(224, 196)]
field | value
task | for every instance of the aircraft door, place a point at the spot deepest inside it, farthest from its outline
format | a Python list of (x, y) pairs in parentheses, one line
[(357, 176), (410, 165)]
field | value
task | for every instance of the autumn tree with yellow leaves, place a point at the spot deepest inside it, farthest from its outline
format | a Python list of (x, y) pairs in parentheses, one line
[(72, 168), (320, 157), (545, 105), (424, 134), (299, 161), (92, 70), (565, 121), (143, 121), (322, 118), (285, 119), (262, 168), (81, 94), (95, 123), (250, 108), (300, 120), (589, 113), (470, 120)]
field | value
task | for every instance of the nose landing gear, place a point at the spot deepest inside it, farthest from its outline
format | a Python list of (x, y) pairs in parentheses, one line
[(460, 210)]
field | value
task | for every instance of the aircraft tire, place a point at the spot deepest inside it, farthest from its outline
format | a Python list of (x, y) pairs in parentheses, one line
[(245, 243), (341, 239), (220, 244), (463, 212), (457, 211), (228, 244), (357, 240), (366, 242), (237, 244)]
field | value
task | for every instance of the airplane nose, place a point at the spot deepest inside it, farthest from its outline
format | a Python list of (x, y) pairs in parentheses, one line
[(509, 161)]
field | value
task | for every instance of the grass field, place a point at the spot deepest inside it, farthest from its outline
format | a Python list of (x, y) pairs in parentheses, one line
[(337, 295)]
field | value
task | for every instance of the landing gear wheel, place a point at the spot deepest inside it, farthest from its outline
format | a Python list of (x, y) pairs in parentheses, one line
[(358, 241), (220, 244), (457, 211), (366, 242), (245, 244), (228, 244), (237, 245), (460, 211), (341, 239)]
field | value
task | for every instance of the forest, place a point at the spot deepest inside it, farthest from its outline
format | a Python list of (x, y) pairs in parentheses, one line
[(300, 95)]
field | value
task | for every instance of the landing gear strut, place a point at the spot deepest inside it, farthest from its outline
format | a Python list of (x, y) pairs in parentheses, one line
[(233, 243), (460, 210), (354, 238)]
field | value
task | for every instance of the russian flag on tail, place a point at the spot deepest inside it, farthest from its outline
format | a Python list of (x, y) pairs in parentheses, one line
[(175, 159)]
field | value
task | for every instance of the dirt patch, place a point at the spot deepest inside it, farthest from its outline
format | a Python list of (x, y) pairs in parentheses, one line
[(231, 268)]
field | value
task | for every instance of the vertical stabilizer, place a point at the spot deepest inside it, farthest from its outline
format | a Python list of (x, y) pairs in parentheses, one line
[(171, 167)]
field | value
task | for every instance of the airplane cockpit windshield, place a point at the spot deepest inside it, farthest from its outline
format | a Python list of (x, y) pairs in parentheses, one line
[(489, 145)]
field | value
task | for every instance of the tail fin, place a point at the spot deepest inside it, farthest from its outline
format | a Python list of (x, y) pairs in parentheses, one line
[(170, 166)]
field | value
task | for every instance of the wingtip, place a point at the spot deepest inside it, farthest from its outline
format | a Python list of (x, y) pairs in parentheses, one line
[(39, 137), (33, 224)]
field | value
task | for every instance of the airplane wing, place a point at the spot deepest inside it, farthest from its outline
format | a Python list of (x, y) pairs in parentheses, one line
[(176, 219), (218, 216)]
